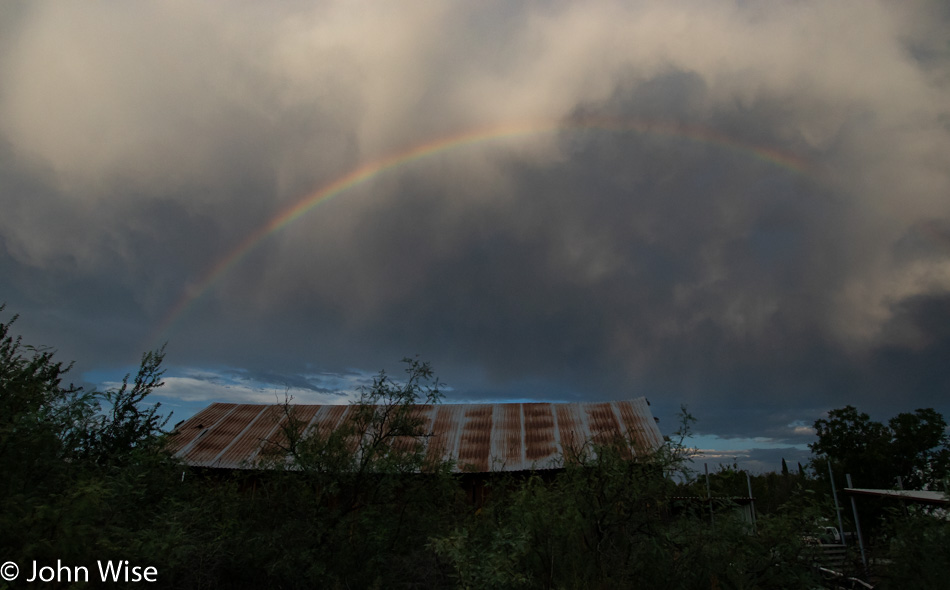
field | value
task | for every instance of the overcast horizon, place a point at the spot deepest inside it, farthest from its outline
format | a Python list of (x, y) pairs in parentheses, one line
[(743, 208)]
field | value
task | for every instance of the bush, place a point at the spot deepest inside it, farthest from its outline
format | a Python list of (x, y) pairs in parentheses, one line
[(79, 484), (918, 556)]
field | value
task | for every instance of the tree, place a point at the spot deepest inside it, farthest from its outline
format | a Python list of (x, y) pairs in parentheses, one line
[(44, 426), (854, 444), (912, 446), (350, 506), (77, 482), (920, 448), (383, 434)]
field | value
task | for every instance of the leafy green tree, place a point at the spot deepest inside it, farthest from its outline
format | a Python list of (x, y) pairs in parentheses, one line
[(854, 444), (383, 434), (77, 482), (41, 421), (912, 446), (130, 425), (348, 507), (42, 426), (920, 448)]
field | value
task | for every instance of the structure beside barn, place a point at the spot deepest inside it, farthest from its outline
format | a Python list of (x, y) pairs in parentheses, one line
[(478, 438)]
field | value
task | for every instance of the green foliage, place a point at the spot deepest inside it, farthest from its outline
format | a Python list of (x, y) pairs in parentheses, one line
[(129, 426), (920, 448), (349, 507), (608, 522), (41, 421), (383, 434), (912, 446), (917, 550), (77, 482), (854, 444)]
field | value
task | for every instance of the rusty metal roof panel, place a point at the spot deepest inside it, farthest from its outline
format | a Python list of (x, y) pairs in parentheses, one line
[(639, 423), (478, 437), (217, 438), (570, 428), (539, 441), (248, 441), (474, 448), (603, 423), (319, 420), (507, 442), (190, 434), (192, 429), (440, 445)]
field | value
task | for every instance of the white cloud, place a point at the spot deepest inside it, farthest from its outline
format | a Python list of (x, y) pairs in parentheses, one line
[(207, 385), (802, 430)]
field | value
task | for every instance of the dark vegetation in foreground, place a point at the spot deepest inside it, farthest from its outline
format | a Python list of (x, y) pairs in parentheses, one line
[(86, 477)]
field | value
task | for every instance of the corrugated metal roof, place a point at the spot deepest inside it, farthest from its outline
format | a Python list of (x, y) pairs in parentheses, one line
[(479, 437), (920, 496)]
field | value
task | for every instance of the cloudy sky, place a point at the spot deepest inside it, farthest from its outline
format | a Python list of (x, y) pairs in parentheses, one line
[(742, 207)]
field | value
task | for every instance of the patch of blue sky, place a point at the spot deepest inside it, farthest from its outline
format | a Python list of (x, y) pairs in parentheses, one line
[(187, 390), (712, 441)]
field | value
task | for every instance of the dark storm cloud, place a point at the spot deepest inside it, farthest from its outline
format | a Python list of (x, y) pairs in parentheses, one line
[(599, 264)]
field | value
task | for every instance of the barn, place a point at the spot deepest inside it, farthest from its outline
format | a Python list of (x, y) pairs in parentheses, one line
[(477, 438)]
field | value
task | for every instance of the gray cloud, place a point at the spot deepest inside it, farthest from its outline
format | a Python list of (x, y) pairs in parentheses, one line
[(142, 144)]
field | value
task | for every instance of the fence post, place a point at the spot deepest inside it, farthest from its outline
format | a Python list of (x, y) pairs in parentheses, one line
[(834, 494), (857, 525)]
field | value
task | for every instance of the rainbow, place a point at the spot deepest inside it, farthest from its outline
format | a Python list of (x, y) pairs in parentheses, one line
[(418, 152)]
